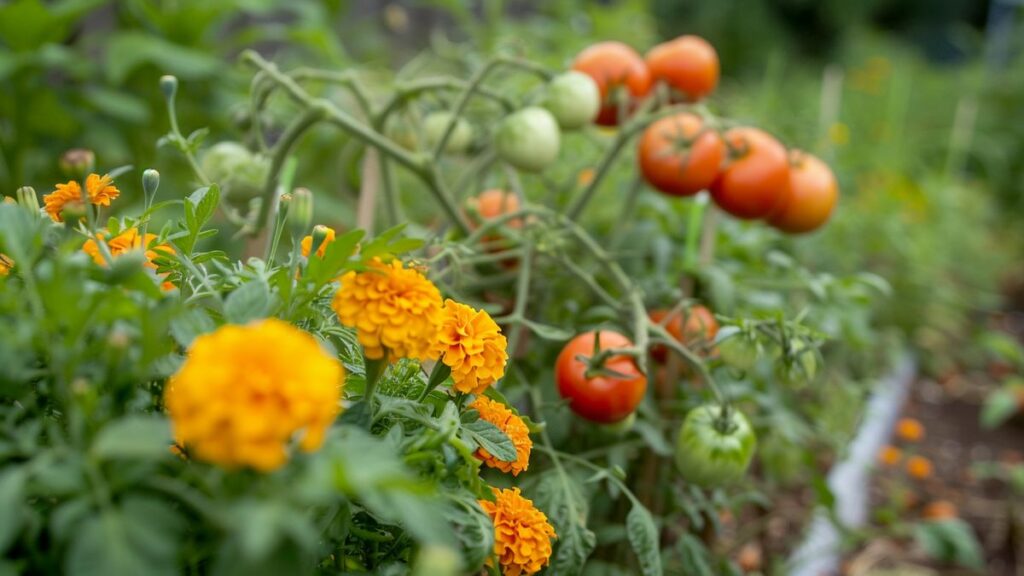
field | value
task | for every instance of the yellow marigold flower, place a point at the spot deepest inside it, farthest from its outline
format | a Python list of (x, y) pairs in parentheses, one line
[(395, 310), (513, 426), (470, 342), (307, 242), (245, 391), (890, 456), (125, 242), (910, 429), (101, 192), (919, 467), (5, 264), (522, 533)]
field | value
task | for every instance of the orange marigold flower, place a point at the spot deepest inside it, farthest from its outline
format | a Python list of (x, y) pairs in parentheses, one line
[(522, 533), (127, 241), (5, 265), (919, 467), (307, 242), (395, 310), (910, 429), (245, 391), (470, 342), (513, 426), (55, 201), (890, 456), (101, 191)]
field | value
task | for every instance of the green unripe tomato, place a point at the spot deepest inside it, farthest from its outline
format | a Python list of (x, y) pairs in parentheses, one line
[(528, 139), (402, 132), (739, 351), (240, 174), (434, 126), (573, 99), (802, 364), (715, 446)]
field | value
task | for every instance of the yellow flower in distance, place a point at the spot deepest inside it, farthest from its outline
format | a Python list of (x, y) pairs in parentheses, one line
[(522, 533), (125, 242), (910, 429), (307, 242), (919, 467), (5, 265), (101, 191), (513, 426), (470, 342), (395, 310), (245, 391), (890, 456)]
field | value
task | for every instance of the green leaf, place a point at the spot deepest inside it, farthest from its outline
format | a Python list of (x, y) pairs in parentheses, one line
[(127, 51), (490, 438), (248, 302), (190, 323), (643, 537), (140, 537), (473, 528), (134, 437), (547, 332), (560, 496), (12, 498), (950, 540), (323, 270), (694, 556), (999, 407)]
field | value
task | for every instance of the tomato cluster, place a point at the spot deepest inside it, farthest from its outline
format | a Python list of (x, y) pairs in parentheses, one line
[(749, 173)]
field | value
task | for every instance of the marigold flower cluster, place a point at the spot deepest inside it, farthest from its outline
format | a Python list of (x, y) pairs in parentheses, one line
[(395, 310), (470, 342), (244, 392), (100, 189), (522, 533), (513, 426), (127, 241)]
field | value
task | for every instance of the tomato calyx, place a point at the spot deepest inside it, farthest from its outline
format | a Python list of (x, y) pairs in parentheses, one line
[(597, 361), (724, 423)]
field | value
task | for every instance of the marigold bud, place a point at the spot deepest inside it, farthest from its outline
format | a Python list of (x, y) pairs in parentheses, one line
[(300, 211), (77, 162), (27, 199), (169, 86), (150, 183), (320, 233)]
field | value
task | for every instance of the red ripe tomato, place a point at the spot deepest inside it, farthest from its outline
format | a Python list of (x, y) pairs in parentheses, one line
[(603, 398), (688, 64), (754, 180), (619, 72), (492, 203), (810, 197), (695, 327), (678, 156)]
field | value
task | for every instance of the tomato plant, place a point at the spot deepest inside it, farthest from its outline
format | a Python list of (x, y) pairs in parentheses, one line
[(715, 446), (621, 76), (679, 156), (528, 139), (696, 327), (574, 99), (755, 177), (688, 64), (607, 391), (809, 198)]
